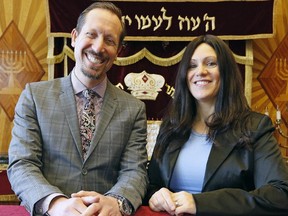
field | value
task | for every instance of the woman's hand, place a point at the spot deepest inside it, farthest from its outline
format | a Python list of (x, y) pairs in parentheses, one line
[(184, 203), (162, 201), (173, 203)]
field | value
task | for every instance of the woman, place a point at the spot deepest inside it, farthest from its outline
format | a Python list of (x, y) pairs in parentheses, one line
[(213, 155)]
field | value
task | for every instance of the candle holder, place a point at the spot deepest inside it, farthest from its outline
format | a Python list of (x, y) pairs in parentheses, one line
[(278, 128)]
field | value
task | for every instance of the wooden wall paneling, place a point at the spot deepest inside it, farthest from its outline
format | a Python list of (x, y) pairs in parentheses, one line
[(29, 18), (263, 52)]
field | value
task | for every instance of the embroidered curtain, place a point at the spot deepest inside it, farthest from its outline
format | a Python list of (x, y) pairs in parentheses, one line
[(158, 32)]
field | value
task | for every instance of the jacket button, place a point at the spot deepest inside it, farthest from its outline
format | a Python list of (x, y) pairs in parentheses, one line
[(84, 171)]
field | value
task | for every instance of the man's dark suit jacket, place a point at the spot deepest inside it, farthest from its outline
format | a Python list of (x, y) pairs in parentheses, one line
[(238, 181)]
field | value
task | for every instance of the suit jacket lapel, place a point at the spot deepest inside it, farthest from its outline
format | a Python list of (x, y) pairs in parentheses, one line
[(221, 149), (67, 98), (169, 160)]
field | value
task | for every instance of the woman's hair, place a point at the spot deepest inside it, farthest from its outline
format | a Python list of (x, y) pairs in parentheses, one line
[(102, 5), (230, 107)]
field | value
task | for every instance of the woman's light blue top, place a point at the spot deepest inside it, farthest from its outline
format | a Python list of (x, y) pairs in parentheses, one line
[(189, 171)]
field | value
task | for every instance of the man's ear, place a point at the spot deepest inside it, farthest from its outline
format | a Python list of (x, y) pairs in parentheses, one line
[(74, 35)]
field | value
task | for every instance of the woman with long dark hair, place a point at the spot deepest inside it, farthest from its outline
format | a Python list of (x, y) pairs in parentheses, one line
[(213, 154)]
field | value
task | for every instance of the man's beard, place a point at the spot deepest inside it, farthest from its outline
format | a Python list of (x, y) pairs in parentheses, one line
[(91, 76), (86, 73)]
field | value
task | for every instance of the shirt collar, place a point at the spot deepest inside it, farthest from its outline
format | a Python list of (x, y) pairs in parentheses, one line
[(79, 87)]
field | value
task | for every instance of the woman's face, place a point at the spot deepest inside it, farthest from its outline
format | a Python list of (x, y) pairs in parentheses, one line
[(203, 75)]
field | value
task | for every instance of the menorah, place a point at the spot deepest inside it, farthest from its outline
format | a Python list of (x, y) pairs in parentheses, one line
[(12, 63), (281, 70)]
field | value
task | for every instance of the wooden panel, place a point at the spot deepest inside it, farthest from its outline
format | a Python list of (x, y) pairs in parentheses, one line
[(31, 32), (266, 95)]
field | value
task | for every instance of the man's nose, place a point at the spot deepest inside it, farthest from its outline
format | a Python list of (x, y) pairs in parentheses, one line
[(98, 45)]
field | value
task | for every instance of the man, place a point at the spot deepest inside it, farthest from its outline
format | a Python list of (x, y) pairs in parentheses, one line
[(58, 165)]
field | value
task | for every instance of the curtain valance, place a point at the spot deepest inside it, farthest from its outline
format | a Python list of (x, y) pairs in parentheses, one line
[(180, 20)]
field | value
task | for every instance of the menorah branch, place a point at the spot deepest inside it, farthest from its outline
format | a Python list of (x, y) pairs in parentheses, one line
[(278, 128)]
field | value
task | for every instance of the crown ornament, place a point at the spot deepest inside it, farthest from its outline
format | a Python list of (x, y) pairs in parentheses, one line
[(143, 85)]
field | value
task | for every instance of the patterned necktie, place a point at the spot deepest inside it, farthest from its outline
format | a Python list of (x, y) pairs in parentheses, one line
[(88, 120)]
